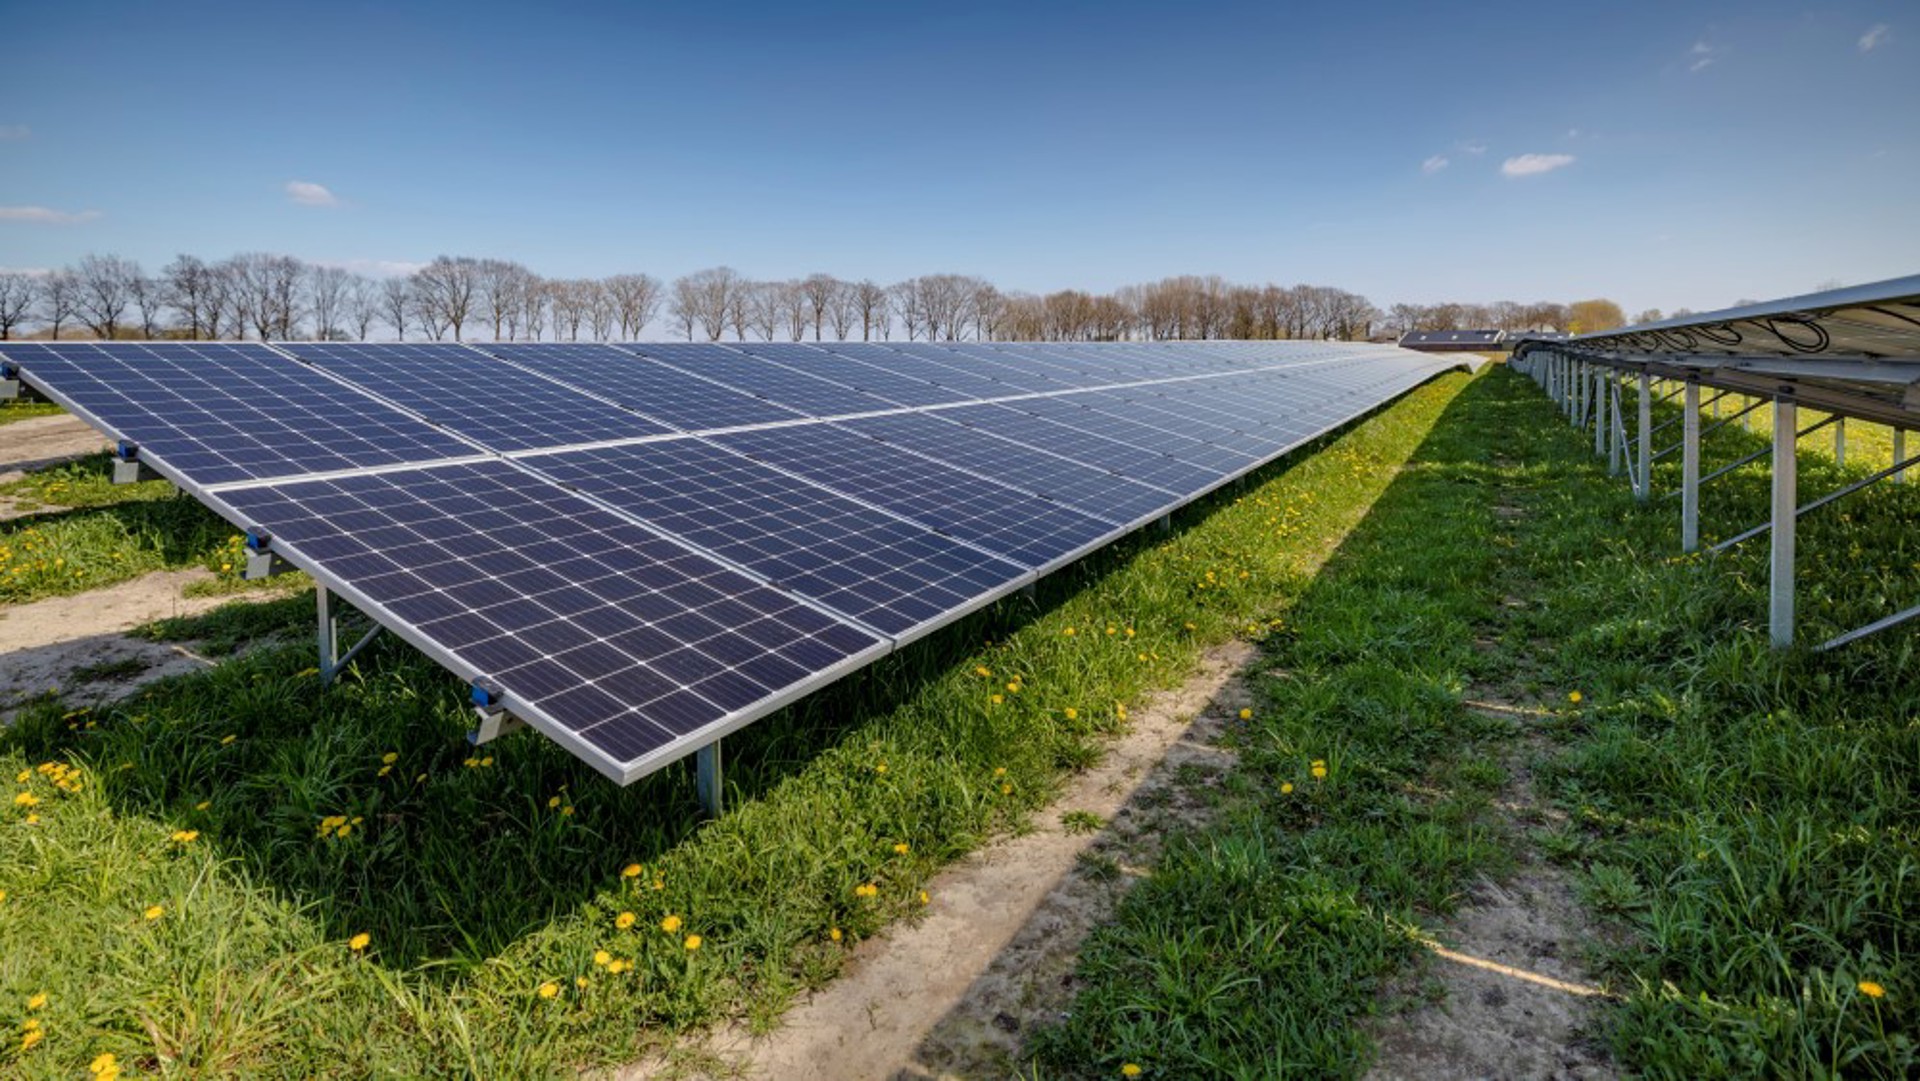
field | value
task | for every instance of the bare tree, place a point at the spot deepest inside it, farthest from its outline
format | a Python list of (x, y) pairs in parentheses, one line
[(329, 291), (764, 308), (59, 299), (106, 285), (267, 291), (532, 320), (872, 304), (447, 289), (18, 293), (603, 312), (500, 286), (820, 291), (570, 304), (843, 311), (637, 299), (706, 297), (396, 304), (363, 306), (190, 291)]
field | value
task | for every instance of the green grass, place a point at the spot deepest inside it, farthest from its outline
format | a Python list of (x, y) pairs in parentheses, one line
[(13, 409), (97, 533), (1745, 820), (480, 877)]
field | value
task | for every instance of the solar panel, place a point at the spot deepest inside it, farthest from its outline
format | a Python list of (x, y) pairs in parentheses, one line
[(656, 390), (625, 646), (219, 412), (788, 387), (874, 567), (1092, 491), (496, 404), (634, 590), (1030, 531)]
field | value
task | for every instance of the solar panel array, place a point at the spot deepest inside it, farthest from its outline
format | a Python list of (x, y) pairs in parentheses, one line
[(641, 547)]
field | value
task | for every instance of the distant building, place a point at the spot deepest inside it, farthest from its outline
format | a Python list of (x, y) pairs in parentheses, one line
[(1454, 341)]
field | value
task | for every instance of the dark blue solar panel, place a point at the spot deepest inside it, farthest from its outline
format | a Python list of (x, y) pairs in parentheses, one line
[(496, 404), (1123, 459), (777, 383), (1074, 410), (1026, 529), (967, 385), (656, 390), (220, 412), (1016, 378), (608, 632), (874, 567), (1016, 465), (874, 379)]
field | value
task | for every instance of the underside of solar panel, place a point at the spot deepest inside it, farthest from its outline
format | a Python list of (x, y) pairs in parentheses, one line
[(639, 548)]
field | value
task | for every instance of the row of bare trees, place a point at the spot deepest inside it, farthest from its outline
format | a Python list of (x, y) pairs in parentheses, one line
[(267, 296)]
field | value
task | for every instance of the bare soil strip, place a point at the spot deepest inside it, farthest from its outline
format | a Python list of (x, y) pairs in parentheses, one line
[(44, 643), (952, 995), (36, 443)]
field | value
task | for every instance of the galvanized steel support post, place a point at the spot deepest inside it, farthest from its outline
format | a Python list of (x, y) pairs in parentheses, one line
[(1690, 472), (1599, 412), (329, 633), (1900, 453), (1786, 509), (1840, 443), (1643, 471), (706, 778)]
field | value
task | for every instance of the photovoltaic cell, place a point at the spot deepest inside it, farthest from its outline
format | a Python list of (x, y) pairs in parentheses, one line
[(783, 386), (1117, 457), (655, 390), (496, 404), (1092, 491), (605, 632), (874, 567), (860, 375), (1024, 528), (220, 412)]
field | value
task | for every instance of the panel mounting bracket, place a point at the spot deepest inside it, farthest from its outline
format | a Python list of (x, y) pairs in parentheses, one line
[(262, 561), (127, 466), (494, 720)]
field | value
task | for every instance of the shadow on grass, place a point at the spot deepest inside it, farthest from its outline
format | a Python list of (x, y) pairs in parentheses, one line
[(363, 805)]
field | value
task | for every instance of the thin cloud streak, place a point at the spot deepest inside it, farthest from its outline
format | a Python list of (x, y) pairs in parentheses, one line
[(1535, 164), (47, 215), (307, 193), (1875, 38), (1433, 164)]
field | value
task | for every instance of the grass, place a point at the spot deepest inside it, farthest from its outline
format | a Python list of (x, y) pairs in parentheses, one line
[(267, 825), (12, 409), (1744, 822), (92, 533)]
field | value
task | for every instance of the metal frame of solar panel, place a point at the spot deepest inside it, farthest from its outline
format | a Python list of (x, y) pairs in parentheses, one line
[(559, 523)]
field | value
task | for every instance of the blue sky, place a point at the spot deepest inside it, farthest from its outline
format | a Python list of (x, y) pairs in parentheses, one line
[(1681, 153)]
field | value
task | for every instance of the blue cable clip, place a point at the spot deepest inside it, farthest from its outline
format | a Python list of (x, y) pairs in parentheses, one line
[(127, 450), (485, 695), (258, 540)]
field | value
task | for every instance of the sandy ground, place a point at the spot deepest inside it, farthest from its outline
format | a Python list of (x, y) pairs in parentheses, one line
[(36, 443), (952, 995), (43, 643)]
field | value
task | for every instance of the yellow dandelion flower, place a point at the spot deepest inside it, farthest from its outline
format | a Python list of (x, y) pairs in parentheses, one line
[(982, 671), (580, 982), (602, 958), (631, 870), (359, 942), (659, 885), (345, 828), (1574, 697), (185, 837), (999, 771), (31, 1038), (1071, 714), (1111, 629), (1872, 989), (31, 1024), (486, 762), (924, 899), (552, 802), (1286, 788), (1069, 632), (1319, 772), (384, 770), (1014, 687), (154, 912), (902, 849), (1006, 790), (866, 889), (1120, 712), (1246, 715), (226, 739), (23, 776), (203, 805), (26, 799), (38, 1001), (390, 758), (1131, 1069), (692, 943), (624, 920), (834, 933), (670, 924), (617, 967), (996, 699), (549, 989), (881, 768)]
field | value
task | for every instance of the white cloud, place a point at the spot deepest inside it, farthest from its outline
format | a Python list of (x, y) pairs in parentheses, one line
[(21, 131), (1703, 55), (1433, 164), (46, 216), (307, 193), (1875, 38), (1475, 148), (1535, 164), (28, 271)]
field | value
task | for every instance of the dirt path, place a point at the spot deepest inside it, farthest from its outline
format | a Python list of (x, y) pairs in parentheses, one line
[(36, 443), (952, 995), (78, 645)]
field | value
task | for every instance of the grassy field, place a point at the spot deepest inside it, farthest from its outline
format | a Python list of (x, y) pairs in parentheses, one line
[(1745, 822), (235, 873), (13, 409)]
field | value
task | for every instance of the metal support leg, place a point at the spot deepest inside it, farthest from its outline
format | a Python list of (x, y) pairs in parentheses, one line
[(706, 778), (1900, 453), (1616, 432), (1690, 472), (1599, 413), (1840, 443), (1643, 472), (1786, 507), (329, 634), (1165, 523)]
